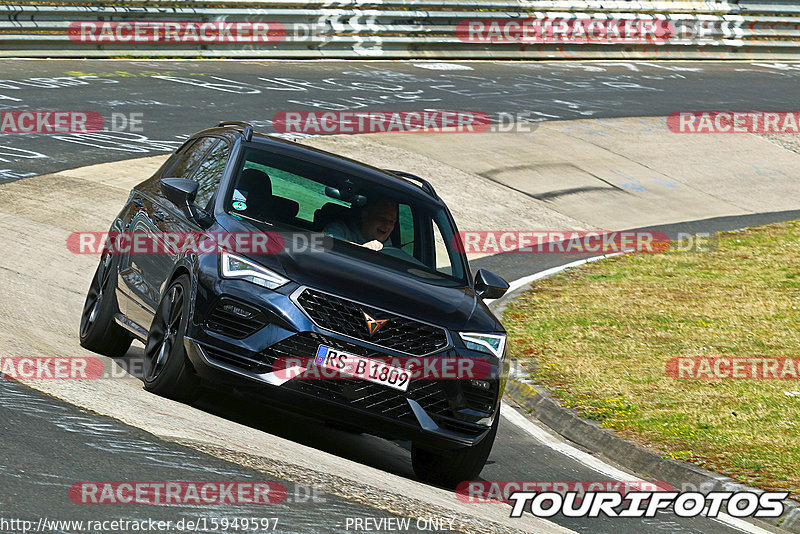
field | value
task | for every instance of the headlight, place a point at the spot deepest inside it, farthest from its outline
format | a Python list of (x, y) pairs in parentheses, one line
[(233, 266), (490, 343)]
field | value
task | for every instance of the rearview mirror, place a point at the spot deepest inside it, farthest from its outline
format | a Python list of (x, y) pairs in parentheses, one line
[(355, 200), (488, 285)]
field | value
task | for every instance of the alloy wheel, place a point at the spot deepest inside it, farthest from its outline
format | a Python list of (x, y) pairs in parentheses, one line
[(96, 294), (164, 332)]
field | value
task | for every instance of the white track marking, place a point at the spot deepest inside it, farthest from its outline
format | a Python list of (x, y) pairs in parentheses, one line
[(557, 444), (741, 524), (440, 66), (516, 284)]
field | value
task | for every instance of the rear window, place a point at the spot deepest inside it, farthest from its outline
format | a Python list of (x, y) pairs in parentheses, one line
[(309, 194)]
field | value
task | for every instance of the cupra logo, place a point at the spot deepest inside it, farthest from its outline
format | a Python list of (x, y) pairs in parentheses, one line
[(373, 325)]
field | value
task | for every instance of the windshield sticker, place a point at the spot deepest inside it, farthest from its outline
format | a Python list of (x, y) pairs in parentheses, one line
[(239, 206)]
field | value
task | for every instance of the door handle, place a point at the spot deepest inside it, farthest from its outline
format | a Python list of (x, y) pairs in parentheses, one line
[(158, 215), (138, 202)]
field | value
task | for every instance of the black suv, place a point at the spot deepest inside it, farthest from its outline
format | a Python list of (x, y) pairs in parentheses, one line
[(234, 318)]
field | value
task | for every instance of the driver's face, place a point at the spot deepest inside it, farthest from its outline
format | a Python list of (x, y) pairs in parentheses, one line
[(378, 223)]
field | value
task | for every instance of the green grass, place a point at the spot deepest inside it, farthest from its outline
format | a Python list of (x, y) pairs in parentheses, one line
[(600, 336)]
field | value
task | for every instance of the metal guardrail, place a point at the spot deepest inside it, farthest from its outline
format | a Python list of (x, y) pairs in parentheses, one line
[(747, 29)]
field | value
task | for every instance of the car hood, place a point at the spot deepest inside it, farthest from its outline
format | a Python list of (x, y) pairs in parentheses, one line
[(455, 308)]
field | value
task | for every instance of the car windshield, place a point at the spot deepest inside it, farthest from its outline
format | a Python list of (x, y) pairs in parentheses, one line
[(368, 222)]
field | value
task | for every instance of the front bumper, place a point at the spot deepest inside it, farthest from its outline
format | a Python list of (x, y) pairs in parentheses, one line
[(443, 413)]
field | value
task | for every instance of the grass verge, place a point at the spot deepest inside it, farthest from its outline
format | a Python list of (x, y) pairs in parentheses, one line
[(600, 337)]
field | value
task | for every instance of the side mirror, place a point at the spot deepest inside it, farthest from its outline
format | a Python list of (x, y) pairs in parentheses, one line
[(182, 193), (489, 285)]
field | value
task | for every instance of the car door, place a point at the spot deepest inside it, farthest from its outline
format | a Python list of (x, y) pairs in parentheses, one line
[(143, 273), (170, 219)]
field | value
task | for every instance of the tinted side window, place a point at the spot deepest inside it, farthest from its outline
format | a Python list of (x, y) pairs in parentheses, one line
[(445, 255), (186, 163), (178, 154), (210, 171), (406, 224)]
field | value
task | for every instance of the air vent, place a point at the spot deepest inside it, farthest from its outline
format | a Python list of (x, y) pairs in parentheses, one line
[(235, 319), (478, 396), (235, 359)]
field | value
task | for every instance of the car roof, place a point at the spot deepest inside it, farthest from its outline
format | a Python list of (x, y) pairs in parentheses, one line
[(406, 183)]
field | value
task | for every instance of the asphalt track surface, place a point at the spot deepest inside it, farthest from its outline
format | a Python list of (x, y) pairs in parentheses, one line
[(42, 455), (176, 98), (64, 444)]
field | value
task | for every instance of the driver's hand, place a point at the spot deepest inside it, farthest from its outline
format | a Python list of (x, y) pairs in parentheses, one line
[(374, 245)]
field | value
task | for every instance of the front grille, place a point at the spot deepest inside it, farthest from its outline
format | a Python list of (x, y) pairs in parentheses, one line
[(362, 394), (347, 318), (235, 319)]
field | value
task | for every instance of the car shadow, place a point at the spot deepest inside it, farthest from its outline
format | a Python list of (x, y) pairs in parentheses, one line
[(390, 456)]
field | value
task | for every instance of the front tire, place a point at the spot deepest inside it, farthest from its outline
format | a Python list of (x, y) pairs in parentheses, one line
[(167, 371), (449, 468), (98, 331)]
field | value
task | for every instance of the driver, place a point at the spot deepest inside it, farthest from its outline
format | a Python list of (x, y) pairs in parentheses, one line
[(378, 219)]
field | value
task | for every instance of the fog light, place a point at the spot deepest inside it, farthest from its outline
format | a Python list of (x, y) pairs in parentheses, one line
[(483, 384), (237, 311)]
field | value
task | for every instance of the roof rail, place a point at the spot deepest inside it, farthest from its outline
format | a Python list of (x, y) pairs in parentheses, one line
[(246, 126), (424, 184)]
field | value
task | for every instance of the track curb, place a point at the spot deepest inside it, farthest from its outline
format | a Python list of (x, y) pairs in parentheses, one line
[(538, 402)]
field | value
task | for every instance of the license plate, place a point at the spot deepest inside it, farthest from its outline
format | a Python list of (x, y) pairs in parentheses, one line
[(357, 366)]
